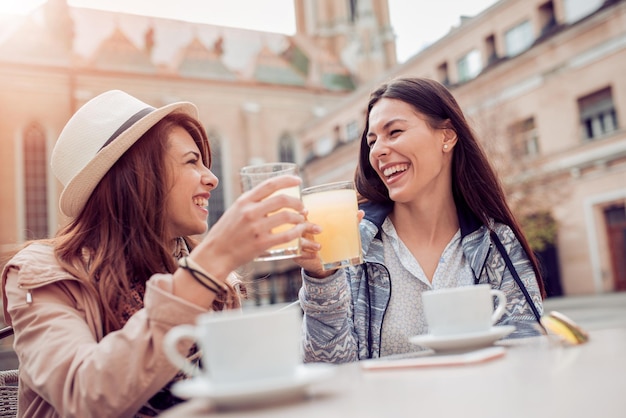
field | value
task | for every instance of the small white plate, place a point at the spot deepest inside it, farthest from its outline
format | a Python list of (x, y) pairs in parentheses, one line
[(460, 342), (252, 393)]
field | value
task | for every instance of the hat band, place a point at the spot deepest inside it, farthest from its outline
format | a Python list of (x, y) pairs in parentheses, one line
[(130, 122)]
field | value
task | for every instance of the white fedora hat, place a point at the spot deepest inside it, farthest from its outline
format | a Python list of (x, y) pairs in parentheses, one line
[(96, 136)]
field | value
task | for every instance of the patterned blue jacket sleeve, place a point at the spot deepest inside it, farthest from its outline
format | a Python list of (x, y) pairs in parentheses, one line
[(518, 311), (327, 324)]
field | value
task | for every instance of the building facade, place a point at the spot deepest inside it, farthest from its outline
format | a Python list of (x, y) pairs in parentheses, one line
[(541, 81)]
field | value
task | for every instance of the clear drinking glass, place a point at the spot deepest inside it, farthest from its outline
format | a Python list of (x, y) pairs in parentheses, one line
[(255, 174), (334, 207)]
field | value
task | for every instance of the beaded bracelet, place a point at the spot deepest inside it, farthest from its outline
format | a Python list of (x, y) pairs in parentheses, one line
[(201, 275)]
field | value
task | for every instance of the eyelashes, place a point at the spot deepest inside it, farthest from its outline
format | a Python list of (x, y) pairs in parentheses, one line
[(392, 135)]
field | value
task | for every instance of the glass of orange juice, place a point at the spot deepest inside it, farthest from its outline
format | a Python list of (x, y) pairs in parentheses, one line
[(334, 207), (255, 174)]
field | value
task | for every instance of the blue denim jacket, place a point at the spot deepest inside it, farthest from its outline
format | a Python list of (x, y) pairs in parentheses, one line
[(343, 313)]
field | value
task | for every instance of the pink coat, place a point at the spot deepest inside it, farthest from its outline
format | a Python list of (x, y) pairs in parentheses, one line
[(67, 368)]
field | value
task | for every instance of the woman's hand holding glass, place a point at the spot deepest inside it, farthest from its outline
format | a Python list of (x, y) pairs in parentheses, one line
[(309, 258), (245, 229)]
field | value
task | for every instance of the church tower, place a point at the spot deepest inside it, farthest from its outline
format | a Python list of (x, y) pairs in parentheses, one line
[(358, 32)]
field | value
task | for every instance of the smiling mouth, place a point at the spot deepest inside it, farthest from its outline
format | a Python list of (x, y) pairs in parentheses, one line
[(394, 170), (201, 202)]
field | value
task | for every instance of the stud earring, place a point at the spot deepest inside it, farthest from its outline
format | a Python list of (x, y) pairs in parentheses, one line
[(445, 146)]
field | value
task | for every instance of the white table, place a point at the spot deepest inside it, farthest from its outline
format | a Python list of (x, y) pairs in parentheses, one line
[(536, 378)]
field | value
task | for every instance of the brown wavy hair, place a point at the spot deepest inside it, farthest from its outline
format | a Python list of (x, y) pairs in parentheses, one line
[(475, 184), (119, 237)]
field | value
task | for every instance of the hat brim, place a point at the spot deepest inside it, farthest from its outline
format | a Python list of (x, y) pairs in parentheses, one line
[(79, 188)]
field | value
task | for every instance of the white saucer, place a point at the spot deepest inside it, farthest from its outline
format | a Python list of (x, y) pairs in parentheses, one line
[(459, 342), (247, 393)]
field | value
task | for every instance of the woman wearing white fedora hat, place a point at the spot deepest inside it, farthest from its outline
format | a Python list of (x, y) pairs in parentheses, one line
[(91, 306)]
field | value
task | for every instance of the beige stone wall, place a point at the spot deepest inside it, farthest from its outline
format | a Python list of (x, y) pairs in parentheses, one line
[(582, 233)]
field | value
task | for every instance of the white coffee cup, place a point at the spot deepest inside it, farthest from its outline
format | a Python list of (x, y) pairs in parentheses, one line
[(241, 346), (462, 310)]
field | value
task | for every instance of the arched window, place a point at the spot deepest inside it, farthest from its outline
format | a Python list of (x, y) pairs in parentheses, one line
[(354, 14), (35, 183), (216, 203), (286, 152)]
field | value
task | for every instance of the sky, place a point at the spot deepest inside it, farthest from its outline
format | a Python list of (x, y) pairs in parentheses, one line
[(416, 23)]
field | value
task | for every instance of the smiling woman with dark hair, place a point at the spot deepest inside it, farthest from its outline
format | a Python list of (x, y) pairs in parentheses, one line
[(435, 217)]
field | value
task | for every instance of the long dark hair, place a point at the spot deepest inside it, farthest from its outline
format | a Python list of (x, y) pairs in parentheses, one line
[(474, 181), (120, 235)]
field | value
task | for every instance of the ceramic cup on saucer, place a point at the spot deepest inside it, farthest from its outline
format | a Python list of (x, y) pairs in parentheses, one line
[(241, 347), (462, 310)]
